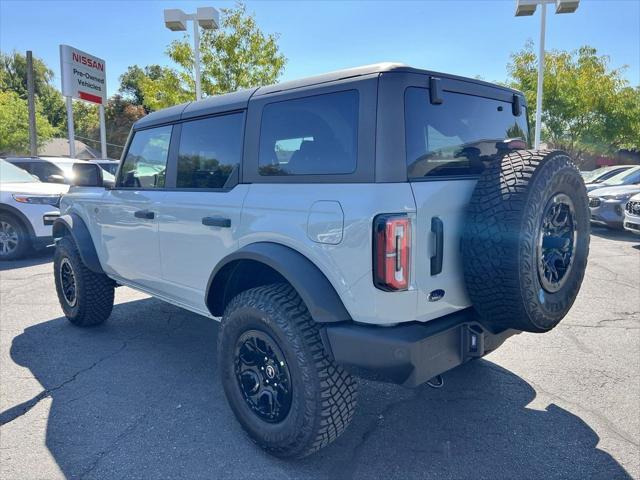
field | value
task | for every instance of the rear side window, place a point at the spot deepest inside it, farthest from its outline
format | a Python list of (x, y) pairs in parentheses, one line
[(210, 150), (43, 170), (146, 161), (27, 167), (461, 135), (310, 136)]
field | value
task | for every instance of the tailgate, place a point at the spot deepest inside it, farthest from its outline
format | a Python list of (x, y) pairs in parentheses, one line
[(437, 260)]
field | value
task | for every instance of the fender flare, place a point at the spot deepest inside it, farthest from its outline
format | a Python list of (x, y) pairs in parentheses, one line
[(322, 300), (81, 236)]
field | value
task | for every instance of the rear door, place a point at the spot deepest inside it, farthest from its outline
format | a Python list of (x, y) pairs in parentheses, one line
[(200, 215), (450, 138)]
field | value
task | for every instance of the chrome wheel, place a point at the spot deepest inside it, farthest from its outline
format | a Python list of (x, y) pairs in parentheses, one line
[(9, 239), (556, 242), (263, 376), (68, 282)]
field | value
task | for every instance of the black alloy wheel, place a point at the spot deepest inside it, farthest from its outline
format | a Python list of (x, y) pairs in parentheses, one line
[(263, 376), (68, 282), (556, 242)]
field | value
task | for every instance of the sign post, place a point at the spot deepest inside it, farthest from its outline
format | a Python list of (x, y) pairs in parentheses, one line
[(33, 135), (84, 78), (72, 140)]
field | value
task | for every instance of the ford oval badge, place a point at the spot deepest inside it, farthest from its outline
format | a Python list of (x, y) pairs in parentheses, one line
[(436, 295)]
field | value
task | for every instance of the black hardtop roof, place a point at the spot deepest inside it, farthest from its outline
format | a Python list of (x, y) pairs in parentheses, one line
[(240, 99)]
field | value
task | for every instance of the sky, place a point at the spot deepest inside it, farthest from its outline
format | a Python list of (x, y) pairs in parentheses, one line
[(469, 38)]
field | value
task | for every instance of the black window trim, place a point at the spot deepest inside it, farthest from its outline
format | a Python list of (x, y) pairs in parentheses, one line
[(460, 91), (172, 155)]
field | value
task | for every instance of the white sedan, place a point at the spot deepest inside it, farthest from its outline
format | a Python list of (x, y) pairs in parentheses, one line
[(28, 208)]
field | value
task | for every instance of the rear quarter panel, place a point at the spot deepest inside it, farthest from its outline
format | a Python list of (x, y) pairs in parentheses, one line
[(280, 213)]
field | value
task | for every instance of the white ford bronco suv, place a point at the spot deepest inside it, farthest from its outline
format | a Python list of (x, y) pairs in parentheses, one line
[(379, 220)]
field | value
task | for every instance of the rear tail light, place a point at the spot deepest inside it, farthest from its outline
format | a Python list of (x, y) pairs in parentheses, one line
[(391, 252)]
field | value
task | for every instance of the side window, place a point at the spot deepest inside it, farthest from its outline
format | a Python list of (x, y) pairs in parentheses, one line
[(461, 135), (312, 135), (146, 161), (210, 150)]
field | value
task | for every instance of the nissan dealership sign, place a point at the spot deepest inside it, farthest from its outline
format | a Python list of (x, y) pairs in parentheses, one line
[(83, 75)]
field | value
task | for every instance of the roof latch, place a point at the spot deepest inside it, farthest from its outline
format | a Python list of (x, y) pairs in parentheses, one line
[(435, 90)]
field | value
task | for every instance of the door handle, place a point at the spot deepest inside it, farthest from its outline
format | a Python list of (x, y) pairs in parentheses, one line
[(217, 222), (437, 228), (148, 214)]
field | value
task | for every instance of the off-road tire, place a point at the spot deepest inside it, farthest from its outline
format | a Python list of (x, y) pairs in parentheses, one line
[(324, 394), (24, 242), (501, 235), (94, 291)]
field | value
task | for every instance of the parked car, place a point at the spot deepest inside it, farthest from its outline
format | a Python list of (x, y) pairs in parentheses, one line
[(607, 204), (380, 219), (599, 175), (632, 214), (28, 208), (107, 165), (629, 176), (50, 169)]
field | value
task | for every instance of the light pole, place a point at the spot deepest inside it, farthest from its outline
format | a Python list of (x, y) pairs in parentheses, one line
[(526, 8), (205, 17)]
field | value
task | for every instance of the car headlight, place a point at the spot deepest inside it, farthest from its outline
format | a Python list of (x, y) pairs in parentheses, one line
[(53, 200), (618, 196)]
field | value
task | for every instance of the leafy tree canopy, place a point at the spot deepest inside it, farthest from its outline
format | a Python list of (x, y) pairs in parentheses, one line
[(14, 124), (131, 80), (238, 55), (13, 78), (587, 106)]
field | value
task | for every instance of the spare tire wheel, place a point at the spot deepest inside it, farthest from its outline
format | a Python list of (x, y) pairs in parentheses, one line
[(526, 240)]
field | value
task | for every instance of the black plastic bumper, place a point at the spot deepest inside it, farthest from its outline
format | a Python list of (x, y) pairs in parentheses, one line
[(412, 353)]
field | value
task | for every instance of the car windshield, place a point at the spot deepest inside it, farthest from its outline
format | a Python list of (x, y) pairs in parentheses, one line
[(628, 177), (12, 174), (594, 174)]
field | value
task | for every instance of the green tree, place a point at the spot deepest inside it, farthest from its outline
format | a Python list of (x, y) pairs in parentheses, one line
[(14, 124), (13, 78), (131, 80), (86, 123), (238, 55), (587, 106), (120, 114)]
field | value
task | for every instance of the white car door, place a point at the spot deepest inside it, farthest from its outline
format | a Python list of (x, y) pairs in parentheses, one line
[(128, 215), (200, 214)]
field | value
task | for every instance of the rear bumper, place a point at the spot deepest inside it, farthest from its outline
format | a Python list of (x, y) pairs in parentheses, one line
[(410, 354)]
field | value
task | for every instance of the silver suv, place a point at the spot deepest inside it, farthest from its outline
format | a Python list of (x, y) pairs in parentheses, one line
[(381, 219)]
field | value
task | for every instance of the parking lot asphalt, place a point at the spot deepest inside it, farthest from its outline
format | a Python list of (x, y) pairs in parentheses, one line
[(139, 397)]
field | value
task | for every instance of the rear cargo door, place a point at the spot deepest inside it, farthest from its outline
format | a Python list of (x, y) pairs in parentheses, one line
[(450, 138)]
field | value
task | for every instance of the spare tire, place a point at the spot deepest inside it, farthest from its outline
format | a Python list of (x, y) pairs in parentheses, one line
[(526, 240)]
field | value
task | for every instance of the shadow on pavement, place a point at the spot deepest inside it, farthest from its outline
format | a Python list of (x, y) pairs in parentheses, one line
[(36, 258), (139, 398)]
